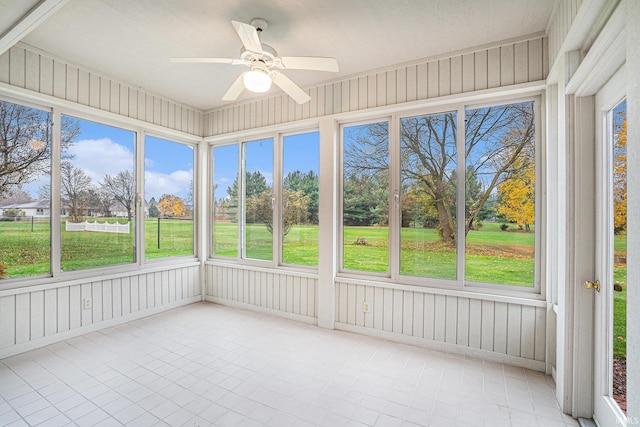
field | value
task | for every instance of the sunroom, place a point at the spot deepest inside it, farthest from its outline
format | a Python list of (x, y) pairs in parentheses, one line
[(319, 213)]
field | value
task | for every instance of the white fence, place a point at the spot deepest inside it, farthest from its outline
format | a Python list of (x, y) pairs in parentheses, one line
[(104, 227)]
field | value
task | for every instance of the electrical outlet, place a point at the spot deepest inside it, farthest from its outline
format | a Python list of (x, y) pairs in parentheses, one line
[(86, 304), (365, 307)]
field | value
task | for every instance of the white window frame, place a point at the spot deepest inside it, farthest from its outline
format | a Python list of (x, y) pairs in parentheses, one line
[(277, 138), (460, 283)]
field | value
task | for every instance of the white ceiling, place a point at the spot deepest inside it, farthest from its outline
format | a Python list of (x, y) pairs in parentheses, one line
[(131, 40)]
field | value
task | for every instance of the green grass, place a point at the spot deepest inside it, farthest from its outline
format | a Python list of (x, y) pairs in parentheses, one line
[(620, 312), (26, 252), (176, 238)]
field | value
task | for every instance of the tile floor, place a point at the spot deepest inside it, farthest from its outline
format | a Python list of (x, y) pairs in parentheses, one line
[(206, 364)]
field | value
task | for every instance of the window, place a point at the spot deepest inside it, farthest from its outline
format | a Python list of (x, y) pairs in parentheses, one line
[(97, 192), (365, 197), (300, 169), (25, 189), (267, 210), (428, 195), (258, 200), (168, 190), (461, 210), (225, 200), (500, 194)]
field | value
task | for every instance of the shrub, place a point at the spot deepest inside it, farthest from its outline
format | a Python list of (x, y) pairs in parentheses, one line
[(503, 227), (14, 213)]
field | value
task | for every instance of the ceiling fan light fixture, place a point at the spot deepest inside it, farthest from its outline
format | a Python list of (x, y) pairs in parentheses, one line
[(257, 80)]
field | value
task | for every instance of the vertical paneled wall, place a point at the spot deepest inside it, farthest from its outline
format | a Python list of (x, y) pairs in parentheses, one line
[(505, 65), (505, 329), (515, 329), (279, 291), (34, 71), (564, 14), (30, 317)]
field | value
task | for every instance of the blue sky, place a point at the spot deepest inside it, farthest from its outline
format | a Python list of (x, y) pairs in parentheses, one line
[(301, 152), (102, 149)]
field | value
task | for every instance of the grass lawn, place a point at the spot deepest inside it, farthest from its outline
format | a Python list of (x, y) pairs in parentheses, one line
[(26, 252), (493, 255), (620, 299)]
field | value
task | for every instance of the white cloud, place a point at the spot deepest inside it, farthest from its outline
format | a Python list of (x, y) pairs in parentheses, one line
[(98, 157), (177, 182)]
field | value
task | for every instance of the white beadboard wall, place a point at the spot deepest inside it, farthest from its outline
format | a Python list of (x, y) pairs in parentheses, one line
[(564, 14), (34, 71), (508, 64), (477, 325), (34, 316), (291, 294)]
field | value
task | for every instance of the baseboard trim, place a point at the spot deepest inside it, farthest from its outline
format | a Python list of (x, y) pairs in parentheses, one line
[(507, 359), (72, 333), (265, 310)]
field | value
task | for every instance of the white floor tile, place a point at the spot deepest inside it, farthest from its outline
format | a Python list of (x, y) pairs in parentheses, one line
[(206, 364)]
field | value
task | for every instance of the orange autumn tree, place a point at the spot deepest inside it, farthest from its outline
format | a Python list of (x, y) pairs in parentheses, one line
[(171, 206), (620, 177)]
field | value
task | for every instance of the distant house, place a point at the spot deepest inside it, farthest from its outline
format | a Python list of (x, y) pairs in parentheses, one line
[(37, 209)]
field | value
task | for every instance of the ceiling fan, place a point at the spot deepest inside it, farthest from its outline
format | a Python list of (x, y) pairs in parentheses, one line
[(265, 64)]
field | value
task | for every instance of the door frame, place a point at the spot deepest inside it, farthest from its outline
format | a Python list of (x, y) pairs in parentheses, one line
[(606, 410)]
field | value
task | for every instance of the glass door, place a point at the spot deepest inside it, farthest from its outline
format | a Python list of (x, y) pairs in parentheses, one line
[(611, 259)]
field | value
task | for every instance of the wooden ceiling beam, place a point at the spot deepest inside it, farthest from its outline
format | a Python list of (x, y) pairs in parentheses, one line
[(37, 15)]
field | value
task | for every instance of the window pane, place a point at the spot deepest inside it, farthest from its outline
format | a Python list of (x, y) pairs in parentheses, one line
[(428, 195), (366, 197), (97, 190), (225, 201), (301, 165), (168, 194), (25, 164), (500, 196), (619, 244), (258, 185)]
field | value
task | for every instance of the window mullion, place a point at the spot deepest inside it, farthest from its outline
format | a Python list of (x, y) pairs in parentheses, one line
[(241, 201), (394, 198), (277, 198), (461, 196), (139, 197), (54, 193)]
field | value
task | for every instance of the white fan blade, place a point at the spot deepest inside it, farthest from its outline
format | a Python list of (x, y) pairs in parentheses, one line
[(207, 61), (235, 90), (290, 88), (310, 63), (249, 36)]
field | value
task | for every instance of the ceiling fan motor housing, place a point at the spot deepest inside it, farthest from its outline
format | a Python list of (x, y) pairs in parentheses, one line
[(259, 24)]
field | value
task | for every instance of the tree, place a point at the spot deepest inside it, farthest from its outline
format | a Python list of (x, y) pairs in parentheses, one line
[(500, 145), (171, 206), (188, 201), (620, 175), (75, 186), (365, 200), (259, 209), (25, 144), (18, 196), (255, 184), (517, 198), (153, 208), (121, 188), (495, 138), (101, 201), (308, 184), (13, 213)]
